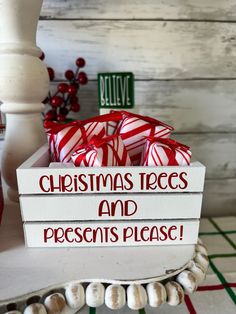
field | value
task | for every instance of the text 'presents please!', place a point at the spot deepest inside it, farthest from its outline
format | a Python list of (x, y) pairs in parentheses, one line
[(120, 233)]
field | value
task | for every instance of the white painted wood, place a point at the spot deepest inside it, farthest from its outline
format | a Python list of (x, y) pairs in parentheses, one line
[(41, 180), (23, 85), (149, 49), (98, 207), (111, 265), (109, 234), (140, 9)]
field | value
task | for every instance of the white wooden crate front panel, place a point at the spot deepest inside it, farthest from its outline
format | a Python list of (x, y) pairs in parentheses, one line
[(44, 180), (79, 234), (114, 207)]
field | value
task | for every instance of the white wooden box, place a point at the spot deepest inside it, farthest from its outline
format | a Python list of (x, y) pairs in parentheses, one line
[(113, 197)]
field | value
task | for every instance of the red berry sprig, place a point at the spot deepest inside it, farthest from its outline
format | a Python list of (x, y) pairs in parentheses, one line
[(65, 99)]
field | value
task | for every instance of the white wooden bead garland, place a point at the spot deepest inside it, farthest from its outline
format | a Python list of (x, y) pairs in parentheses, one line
[(24, 83), (75, 295), (95, 294), (35, 308), (175, 293), (187, 280), (136, 297), (55, 303), (156, 294), (115, 297)]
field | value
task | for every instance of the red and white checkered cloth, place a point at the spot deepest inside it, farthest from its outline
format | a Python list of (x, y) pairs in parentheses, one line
[(165, 152), (134, 128), (109, 151)]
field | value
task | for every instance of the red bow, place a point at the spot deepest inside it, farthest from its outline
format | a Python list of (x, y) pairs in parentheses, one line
[(97, 142)]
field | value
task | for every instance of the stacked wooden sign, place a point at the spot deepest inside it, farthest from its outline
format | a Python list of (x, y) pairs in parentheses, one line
[(63, 205), (109, 206)]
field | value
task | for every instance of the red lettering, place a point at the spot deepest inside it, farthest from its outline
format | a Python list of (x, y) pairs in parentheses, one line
[(154, 234), (160, 177), (77, 233), (164, 233), (128, 210), (142, 175), (114, 208), (47, 234), (114, 236), (151, 183), (42, 183), (184, 181), (172, 175), (84, 186), (118, 182), (127, 233), (66, 182), (59, 235), (53, 185), (129, 181), (85, 234), (91, 176), (143, 230), (103, 208), (95, 236), (172, 228), (67, 231)]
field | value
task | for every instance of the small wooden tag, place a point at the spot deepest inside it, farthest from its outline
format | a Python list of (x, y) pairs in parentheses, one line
[(116, 90)]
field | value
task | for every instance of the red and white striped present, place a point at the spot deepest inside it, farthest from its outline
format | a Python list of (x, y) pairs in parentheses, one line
[(165, 152), (65, 139), (108, 151), (133, 130)]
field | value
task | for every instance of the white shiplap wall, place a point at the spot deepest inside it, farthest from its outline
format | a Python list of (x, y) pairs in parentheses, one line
[(183, 56)]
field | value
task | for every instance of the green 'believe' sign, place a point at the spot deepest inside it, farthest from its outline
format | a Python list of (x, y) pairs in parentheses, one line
[(116, 90)]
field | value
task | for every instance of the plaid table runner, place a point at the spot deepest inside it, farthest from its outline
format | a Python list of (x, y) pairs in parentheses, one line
[(217, 294)]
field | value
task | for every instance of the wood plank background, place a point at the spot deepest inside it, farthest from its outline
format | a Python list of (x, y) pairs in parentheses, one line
[(183, 56)]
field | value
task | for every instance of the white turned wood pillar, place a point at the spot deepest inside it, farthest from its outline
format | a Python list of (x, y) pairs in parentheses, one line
[(24, 83)]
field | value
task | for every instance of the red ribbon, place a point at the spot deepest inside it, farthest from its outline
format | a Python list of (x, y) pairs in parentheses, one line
[(145, 118), (56, 127), (97, 142), (169, 142)]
